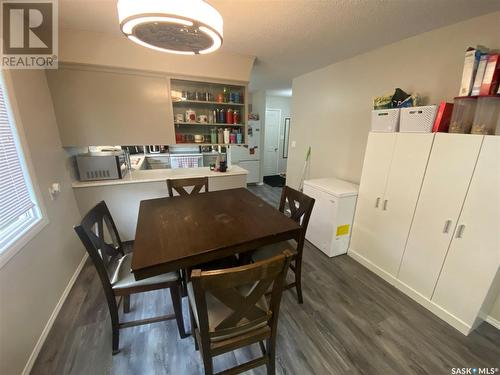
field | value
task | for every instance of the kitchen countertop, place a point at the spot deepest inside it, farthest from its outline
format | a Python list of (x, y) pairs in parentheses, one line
[(155, 175)]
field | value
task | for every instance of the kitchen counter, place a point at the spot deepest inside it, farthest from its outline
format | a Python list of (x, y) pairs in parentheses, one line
[(157, 175), (123, 197)]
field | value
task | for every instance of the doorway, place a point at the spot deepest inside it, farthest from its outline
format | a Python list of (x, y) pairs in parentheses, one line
[(271, 141)]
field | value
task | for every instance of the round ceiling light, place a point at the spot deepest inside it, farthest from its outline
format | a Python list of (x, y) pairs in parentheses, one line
[(185, 27)]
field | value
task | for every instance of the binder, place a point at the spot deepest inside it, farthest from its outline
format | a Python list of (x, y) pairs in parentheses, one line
[(491, 75), (481, 68), (443, 118)]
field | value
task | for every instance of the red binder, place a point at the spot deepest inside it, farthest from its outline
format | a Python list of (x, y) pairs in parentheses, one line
[(443, 117)]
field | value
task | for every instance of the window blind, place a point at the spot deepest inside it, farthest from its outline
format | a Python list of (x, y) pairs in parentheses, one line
[(15, 197)]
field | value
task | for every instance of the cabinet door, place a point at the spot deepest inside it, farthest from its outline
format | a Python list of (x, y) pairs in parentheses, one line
[(447, 178), (474, 255), (320, 228), (409, 161), (376, 167), (99, 107)]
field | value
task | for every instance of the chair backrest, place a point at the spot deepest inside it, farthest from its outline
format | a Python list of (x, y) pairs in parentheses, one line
[(93, 231), (179, 185), (241, 290), (300, 206)]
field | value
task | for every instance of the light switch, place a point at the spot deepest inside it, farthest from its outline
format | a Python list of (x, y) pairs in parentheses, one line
[(54, 190), (293, 144)]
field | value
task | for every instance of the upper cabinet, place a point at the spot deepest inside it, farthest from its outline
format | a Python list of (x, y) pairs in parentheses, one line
[(96, 106)]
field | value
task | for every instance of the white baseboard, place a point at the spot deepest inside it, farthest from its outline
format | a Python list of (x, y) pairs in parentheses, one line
[(53, 316), (494, 322), (449, 318)]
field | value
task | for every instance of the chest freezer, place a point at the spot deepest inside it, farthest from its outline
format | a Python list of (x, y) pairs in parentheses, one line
[(333, 213)]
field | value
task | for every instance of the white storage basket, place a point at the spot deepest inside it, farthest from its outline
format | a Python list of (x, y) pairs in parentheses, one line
[(385, 120), (418, 119)]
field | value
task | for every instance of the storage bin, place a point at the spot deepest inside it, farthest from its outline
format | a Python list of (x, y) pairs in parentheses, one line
[(385, 120), (417, 119), (487, 117), (463, 114)]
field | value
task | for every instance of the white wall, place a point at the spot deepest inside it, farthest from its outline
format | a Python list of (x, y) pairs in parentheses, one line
[(331, 106), (259, 107), (282, 103), (86, 47), (32, 282)]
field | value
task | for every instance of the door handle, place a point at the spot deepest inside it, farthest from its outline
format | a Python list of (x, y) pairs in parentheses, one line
[(275, 149), (377, 201), (460, 230), (385, 205), (447, 224)]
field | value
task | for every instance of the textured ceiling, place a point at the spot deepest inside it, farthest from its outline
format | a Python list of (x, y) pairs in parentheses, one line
[(293, 37)]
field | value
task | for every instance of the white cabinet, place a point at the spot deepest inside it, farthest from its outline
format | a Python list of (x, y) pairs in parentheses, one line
[(392, 176), (330, 224), (473, 258), (443, 192), (99, 106), (434, 233), (366, 227)]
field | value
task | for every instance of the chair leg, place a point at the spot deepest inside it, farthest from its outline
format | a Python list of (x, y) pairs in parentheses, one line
[(193, 327), (298, 280), (271, 363), (126, 304), (207, 363), (177, 304), (116, 338)]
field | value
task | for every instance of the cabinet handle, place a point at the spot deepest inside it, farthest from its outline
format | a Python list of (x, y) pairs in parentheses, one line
[(460, 230), (447, 224), (377, 201), (385, 205)]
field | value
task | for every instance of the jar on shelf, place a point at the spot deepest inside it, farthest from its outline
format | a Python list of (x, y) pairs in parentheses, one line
[(236, 117), (190, 115), (462, 116), (229, 116), (213, 135), (220, 136), (487, 118)]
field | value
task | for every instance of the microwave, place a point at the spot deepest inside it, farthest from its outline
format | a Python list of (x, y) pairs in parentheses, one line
[(108, 165)]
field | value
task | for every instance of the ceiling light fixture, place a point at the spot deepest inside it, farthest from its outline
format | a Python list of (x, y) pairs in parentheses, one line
[(186, 27)]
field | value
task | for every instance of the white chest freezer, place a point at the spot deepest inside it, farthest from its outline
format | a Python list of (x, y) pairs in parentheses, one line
[(333, 213)]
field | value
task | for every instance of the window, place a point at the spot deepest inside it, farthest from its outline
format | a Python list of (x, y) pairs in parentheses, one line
[(19, 211)]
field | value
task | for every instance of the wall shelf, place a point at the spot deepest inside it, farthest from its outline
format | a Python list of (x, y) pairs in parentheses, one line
[(208, 124), (206, 102)]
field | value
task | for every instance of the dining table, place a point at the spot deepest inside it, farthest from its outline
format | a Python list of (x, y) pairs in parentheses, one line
[(181, 232)]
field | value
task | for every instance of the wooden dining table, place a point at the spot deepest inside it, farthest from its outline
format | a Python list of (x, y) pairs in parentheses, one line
[(181, 232)]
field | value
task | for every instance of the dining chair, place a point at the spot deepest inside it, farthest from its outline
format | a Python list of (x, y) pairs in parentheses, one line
[(229, 310), (298, 207), (99, 235), (179, 185)]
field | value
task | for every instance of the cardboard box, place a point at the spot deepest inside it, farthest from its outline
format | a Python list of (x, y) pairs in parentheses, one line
[(481, 68), (472, 56)]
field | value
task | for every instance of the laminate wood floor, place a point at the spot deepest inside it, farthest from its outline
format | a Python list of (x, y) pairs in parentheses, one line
[(351, 322)]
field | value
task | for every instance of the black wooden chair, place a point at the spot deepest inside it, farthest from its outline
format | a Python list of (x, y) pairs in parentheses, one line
[(298, 207), (114, 269), (179, 185), (229, 310)]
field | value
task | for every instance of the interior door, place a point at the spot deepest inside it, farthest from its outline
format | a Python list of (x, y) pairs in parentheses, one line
[(271, 141), (409, 161), (366, 226), (445, 185), (474, 255)]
